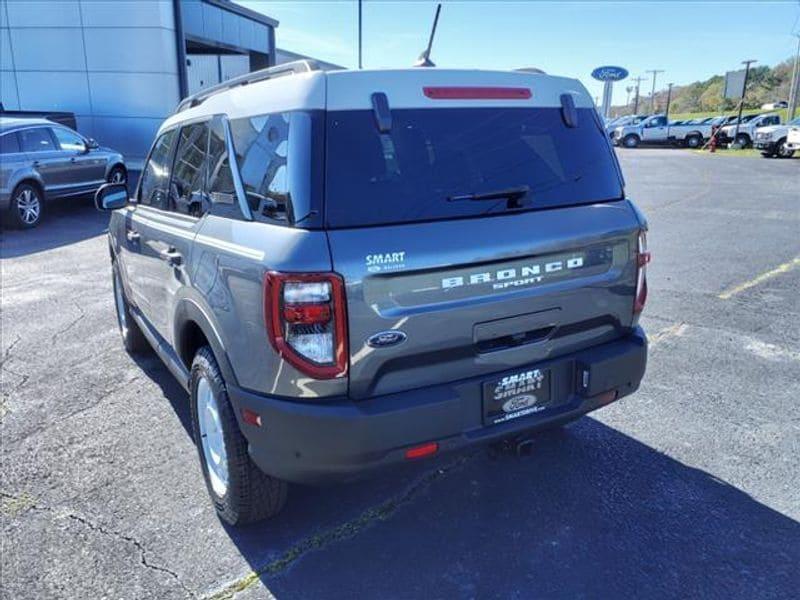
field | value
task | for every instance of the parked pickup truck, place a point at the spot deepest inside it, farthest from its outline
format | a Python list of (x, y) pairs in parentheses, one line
[(772, 140), (747, 129), (612, 125), (657, 129), (793, 137)]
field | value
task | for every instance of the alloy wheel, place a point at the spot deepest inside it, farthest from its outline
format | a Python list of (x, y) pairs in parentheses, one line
[(212, 438), (29, 206)]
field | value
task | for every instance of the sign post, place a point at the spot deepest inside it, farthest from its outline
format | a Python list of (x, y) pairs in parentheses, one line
[(608, 75)]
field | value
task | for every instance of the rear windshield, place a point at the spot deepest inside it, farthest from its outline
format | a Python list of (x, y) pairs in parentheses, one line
[(431, 159)]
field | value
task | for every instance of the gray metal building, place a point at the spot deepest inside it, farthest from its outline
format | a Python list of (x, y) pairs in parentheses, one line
[(122, 65)]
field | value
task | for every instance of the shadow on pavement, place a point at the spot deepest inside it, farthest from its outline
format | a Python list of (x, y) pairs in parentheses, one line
[(592, 513), (66, 221)]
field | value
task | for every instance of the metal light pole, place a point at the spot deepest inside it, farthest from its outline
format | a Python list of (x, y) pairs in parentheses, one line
[(655, 73), (638, 81), (360, 64), (794, 90), (628, 91), (746, 64)]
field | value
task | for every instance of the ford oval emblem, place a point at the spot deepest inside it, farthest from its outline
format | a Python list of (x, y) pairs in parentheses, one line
[(385, 339), (609, 73), (519, 403)]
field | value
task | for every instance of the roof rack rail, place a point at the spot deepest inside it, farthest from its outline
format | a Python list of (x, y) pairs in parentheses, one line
[(290, 68)]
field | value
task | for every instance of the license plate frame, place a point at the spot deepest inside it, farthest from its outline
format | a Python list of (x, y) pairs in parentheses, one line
[(521, 394)]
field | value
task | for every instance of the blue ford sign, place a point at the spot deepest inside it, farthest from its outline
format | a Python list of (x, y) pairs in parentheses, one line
[(609, 73)]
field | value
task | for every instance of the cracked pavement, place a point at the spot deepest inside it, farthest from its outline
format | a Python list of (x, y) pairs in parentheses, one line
[(690, 487)]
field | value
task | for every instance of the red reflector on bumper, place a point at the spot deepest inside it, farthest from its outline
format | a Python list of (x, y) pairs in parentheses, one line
[(422, 450), (250, 417), (477, 93)]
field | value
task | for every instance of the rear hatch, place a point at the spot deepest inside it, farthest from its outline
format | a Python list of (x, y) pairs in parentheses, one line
[(476, 216)]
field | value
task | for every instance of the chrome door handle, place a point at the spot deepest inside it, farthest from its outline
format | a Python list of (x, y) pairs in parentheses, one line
[(72, 159), (132, 236), (36, 163), (172, 256)]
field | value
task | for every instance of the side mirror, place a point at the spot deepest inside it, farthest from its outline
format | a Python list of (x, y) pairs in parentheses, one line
[(91, 144), (111, 196)]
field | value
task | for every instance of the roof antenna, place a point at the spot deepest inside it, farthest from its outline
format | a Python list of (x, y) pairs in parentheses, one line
[(424, 59)]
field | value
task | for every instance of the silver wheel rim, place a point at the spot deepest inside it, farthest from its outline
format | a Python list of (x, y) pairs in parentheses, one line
[(29, 206), (118, 176), (122, 319), (211, 437)]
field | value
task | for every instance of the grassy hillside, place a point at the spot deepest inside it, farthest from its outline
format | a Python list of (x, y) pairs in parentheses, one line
[(784, 113), (766, 84)]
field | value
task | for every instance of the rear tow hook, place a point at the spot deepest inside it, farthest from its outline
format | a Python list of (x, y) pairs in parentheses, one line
[(511, 447)]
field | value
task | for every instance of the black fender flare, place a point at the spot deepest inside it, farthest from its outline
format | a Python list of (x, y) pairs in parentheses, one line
[(189, 311)]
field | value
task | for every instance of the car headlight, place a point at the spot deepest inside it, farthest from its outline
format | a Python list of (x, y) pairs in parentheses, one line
[(765, 136)]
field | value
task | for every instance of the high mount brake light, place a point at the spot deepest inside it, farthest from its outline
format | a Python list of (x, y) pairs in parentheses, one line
[(477, 93), (306, 321), (642, 259)]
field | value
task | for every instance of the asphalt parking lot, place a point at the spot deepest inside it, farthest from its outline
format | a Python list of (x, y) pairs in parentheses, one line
[(688, 488)]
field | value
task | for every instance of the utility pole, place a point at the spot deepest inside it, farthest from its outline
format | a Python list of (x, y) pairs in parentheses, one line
[(655, 73), (638, 81), (669, 98), (360, 64), (628, 91), (746, 64), (794, 90)]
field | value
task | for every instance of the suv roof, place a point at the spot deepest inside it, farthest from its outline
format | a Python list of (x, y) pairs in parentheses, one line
[(271, 91), (10, 123)]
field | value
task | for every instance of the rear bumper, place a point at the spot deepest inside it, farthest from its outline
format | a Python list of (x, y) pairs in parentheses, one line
[(339, 440)]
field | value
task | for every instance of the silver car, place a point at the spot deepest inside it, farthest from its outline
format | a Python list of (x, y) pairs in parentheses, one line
[(42, 160)]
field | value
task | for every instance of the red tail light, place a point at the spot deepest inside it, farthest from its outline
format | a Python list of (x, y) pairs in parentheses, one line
[(306, 321), (642, 258), (476, 93)]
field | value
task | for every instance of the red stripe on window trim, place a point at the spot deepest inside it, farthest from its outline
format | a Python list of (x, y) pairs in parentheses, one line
[(477, 93)]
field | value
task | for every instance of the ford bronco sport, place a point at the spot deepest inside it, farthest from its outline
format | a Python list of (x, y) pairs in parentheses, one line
[(352, 269)]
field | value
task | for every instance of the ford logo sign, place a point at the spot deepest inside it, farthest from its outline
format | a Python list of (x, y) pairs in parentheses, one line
[(385, 339), (609, 73), (519, 403)]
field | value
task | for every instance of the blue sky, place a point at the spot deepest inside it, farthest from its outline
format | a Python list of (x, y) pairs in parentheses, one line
[(689, 40)]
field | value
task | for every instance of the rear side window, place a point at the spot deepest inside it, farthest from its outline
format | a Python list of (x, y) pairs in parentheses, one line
[(432, 157), (38, 139), (187, 193), (9, 143), (280, 158), (155, 176)]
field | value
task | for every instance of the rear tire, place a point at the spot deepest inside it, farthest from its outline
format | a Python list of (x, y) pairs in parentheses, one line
[(694, 141), (742, 141), (132, 337), (631, 141), (27, 206), (240, 491)]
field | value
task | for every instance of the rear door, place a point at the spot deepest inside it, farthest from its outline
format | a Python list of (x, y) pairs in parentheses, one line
[(170, 230), (47, 159), (484, 233)]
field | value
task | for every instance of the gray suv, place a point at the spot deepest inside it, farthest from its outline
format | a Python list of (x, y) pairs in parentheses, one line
[(41, 160), (353, 269)]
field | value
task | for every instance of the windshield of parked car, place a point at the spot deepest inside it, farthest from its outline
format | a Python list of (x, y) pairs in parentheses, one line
[(432, 155)]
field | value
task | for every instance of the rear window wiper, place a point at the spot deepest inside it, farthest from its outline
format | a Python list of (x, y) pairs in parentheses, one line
[(512, 195)]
